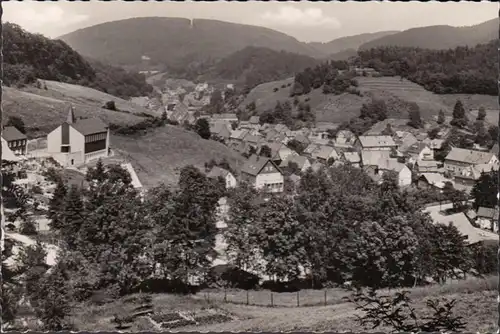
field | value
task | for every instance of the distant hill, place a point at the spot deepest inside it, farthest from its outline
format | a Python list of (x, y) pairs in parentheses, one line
[(252, 66), (343, 55), (175, 41), (349, 42), (439, 37), (30, 56)]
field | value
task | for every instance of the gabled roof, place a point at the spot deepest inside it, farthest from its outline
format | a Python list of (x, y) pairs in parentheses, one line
[(218, 172), (218, 127), (427, 163), (298, 159), (469, 156), (311, 148), (495, 149), (490, 213), (254, 120), (352, 157), (281, 128), (436, 179), (416, 148), (324, 152), (376, 141), (224, 116), (372, 158), (254, 165), (434, 144), (11, 133), (239, 134), (301, 138), (253, 139), (90, 126)]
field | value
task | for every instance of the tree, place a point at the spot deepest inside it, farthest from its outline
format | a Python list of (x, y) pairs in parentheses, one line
[(296, 146), (202, 128), (216, 105), (459, 116), (16, 122), (457, 197), (481, 114), (72, 217), (97, 173), (485, 191), (110, 105), (388, 130), (441, 119), (433, 133), (415, 119), (265, 151)]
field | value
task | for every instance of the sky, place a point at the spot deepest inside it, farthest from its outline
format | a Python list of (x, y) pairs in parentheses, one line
[(306, 21)]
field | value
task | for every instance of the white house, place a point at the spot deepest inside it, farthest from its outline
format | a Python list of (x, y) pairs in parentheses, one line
[(375, 143), (403, 172), (263, 174), (460, 159), (216, 172), (76, 142), (7, 153), (16, 140), (302, 162)]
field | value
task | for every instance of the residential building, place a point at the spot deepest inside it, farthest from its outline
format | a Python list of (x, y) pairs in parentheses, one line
[(345, 137), (324, 153), (404, 140), (228, 177), (254, 120), (301, 138), (434, 144), (352, 158), (302, 162), (181, 114), (263, 174), (375, 143), (468, 176), (237, 137), (76, 142), (225, 117), (418, 152), (494, 149), (432, 180), (7, 154), (427, 166), (279, 152), (402, 171), (460, 159), (220, 131), (487, 218), (372, 158), (16, 140)]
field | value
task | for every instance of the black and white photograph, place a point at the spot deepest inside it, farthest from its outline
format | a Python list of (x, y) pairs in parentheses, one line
[(250, 166)]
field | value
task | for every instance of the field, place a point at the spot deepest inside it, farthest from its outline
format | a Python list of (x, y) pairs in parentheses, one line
[(395, 92), (476, 302), (159, 155), (46, 109)]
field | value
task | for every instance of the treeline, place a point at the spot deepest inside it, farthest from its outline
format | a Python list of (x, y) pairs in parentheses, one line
[(28, 57), (333, 77), (461, 70)]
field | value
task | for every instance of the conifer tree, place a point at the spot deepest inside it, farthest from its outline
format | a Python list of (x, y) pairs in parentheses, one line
[(56, 205), (72, 217)]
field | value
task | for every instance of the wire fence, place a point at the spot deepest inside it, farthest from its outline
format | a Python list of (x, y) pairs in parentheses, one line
[(268, 298)]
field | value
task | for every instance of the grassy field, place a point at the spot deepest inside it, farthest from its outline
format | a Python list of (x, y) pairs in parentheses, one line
[(159, 155), (476, 302), (395, 92), (46, 109)]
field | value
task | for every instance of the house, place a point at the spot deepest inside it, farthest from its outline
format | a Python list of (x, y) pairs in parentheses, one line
[(254, 120), (279, 152), (237, 137), (375, 143), (420, 151), (427, 166), (220, 131), (302, 162), (373, 173), (254, 141), (460, 159), (181, 114), (7, 154), (301, 138), (76, 142), (310, 149), (16, 140), (402, 171), (494, 149), (323, 153), (432, 180), (228, 177), (468, 176), (487, 218), (229, 118), (345, 137), (281, 128), (435, 144), (404, 140), (352, 158), (372, 158), (263, 174)]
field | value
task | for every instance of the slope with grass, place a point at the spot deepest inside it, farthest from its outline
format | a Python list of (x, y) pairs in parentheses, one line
[(159, 155), (44, 109), (440, 37), (349, 42)]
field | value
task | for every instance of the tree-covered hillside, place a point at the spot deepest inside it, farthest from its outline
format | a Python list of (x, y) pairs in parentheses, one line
[(461, 70), (28, 57)]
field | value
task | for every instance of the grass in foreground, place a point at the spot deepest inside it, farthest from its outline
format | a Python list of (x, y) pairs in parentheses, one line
[(476, 303)]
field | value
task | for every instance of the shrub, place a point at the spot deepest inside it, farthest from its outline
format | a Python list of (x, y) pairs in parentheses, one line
[(36, 189)]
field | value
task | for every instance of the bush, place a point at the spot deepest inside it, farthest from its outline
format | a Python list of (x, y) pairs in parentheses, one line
[(275, 89), (37, 190), (110, 105), (28, 227)]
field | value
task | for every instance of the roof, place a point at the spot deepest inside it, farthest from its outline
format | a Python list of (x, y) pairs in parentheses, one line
[(427, 163), (254, 120), (224, 116), (298, 159), (295, 178), (90, 126), (7, 153), (436, 179), (311, 148), (217, 127), (301, 138), (462, 223), (405, 140), (281, 128), (416, 148), (238, 134), (352, 157), (391, 164), (217, 172), (434, 144), (376, 141), (495, 149), (372, 158), (255, 163), (371, 171), (490, 213), (11, 133), (469, 156), (253, 139), (324, 152)]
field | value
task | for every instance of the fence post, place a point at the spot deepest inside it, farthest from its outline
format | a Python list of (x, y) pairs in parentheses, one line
[(298, 300), (247, 298), (272, 301), (325, 296)]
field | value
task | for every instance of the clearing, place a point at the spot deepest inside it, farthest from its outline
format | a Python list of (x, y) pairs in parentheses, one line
[(159, 155), (197, 313), (395, 92), (43, 110)]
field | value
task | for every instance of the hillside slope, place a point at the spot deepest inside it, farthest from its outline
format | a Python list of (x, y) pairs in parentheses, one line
[(28, 57), (175, 41), (349, 42), (159, 155), (439, 37), (43, 109)]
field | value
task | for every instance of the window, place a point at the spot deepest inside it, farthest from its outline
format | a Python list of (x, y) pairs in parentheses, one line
[(65, 149)]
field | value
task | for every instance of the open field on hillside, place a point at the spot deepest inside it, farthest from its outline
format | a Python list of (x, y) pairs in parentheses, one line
[(159, 155), (395, 92), (475, 302), (46, 109)]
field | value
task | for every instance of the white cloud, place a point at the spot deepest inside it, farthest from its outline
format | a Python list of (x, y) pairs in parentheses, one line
[(40, 16), (309, 17)]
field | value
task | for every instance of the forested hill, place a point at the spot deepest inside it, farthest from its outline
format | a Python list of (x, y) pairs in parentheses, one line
[(468, 70), (28, 57), (440, 37), (175, 41), (349, 42), (255, 65)]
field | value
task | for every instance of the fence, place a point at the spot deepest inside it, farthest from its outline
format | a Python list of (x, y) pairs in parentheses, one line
[(268, 298)]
